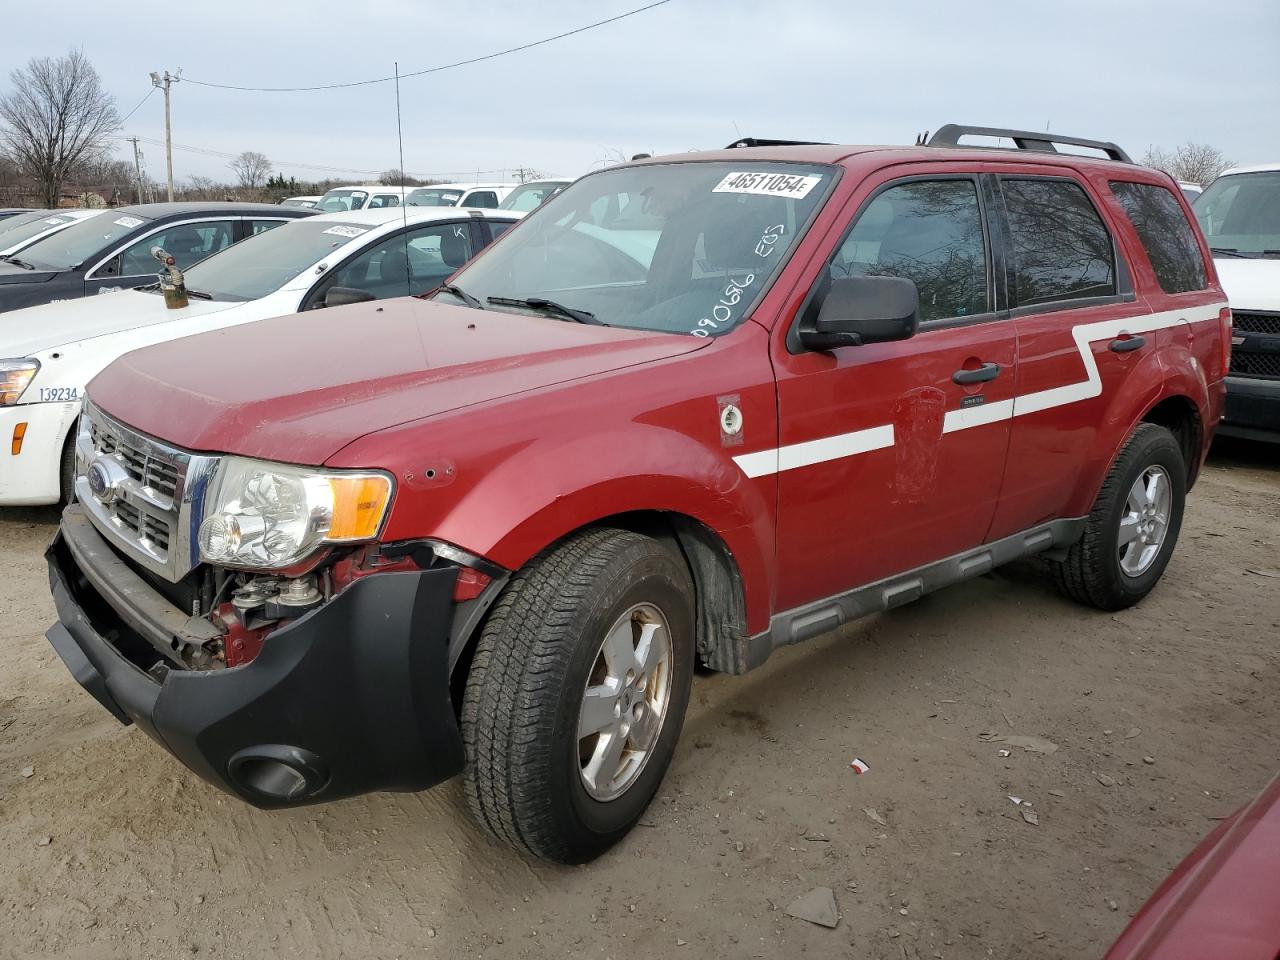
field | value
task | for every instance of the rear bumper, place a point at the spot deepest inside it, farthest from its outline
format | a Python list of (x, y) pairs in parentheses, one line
[(1252, 409), (349, 698), (32, 477)]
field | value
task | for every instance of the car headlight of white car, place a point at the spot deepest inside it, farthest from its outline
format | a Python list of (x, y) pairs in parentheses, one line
[(269, 516), (15, 377)]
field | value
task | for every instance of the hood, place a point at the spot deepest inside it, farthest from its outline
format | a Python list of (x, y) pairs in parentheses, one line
[(35, 329), (11, 273), (301, 387), (1250, 284)]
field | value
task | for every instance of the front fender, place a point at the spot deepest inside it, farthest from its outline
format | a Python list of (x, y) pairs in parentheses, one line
[(548, 489)]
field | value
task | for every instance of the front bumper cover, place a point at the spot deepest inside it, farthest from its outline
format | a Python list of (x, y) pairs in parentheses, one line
[(349, 698), (1252, 409)]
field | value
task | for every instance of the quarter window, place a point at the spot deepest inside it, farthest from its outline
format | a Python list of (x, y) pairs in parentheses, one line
[(1061, 249), (1165, 233), (929, 232)]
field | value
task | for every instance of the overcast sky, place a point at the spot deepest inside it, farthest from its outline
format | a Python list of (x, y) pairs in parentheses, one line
[(690, 74)]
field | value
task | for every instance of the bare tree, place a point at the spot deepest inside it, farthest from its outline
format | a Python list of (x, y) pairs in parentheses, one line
[(56, 116), (252, 168), (397, 178), (1192, 162)]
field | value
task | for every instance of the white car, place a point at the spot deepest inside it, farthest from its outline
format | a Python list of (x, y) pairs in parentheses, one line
[(361, 197), (486, 195), (54, 350), (26, 228)]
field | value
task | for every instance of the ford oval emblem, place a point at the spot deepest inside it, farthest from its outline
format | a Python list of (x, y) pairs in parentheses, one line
[(101, 484)]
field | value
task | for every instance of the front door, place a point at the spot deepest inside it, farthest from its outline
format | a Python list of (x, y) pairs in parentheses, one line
[(891, 454), (189, 242)]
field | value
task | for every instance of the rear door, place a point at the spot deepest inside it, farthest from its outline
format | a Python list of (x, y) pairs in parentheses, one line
[(886, 463)]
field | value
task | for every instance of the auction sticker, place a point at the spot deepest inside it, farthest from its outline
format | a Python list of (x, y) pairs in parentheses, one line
[(129, 222), (55, 220), (769, 184), (341, 231)]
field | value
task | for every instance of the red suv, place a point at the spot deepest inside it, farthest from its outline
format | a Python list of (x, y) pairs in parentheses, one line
[(690, 410)]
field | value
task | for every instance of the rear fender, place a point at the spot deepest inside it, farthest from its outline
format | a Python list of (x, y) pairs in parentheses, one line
[(548, 490)]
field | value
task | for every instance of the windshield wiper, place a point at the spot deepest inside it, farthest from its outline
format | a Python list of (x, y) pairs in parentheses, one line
[(550, 306), (199, 294), (1230, 252), (18, 263), (461, 294)]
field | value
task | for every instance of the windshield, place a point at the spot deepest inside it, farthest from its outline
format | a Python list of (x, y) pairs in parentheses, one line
[(18, 219), (528, 196), (433, 198), (1240, 214), (264, 263), (340, 201), (679, 247), (15, 237), (80, 242)]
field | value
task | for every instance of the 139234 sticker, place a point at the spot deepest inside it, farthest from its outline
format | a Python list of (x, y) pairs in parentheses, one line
[(59, 394)]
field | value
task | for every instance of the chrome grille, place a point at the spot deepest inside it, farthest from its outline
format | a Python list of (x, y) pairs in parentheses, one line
[(154, 497)]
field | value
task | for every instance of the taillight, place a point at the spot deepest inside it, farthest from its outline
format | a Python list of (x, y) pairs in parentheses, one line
[(1224, 324)]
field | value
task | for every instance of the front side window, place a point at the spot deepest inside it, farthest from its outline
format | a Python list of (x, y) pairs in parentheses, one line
[(1165, 233), (340, 201), (929, 232), (1061, 248), (187, 243), (675, 247), (82, 242), (1240, 214), (410, 263), (484, 199), (381, 200)]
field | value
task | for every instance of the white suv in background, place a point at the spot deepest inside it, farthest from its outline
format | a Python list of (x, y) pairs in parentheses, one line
[(360, 197), (483, 195)]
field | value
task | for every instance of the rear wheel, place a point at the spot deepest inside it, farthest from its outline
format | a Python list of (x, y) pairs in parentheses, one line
[(1131, 531), (577, 693)]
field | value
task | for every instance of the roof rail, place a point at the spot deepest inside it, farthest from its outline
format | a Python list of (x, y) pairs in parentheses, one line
[(765, 142), (949, 136)]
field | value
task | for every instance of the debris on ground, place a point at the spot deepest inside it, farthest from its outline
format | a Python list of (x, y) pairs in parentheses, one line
[(817, 906), (1030, 816), (1033, 744), (28, 772), (858, 766), (1132, 732), (1004, 753), (1056, 793), (1148, 760), (1258, 572), (1105, 780), (44, 841), (871, 812)]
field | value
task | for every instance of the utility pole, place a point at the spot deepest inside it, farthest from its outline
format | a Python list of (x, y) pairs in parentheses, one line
[(164, 82), (137, 166)]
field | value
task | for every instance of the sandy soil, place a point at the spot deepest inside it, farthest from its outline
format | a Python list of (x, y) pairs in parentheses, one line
[(144, 860)]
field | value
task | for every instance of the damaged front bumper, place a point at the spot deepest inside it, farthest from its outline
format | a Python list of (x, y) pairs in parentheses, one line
[(351, 697)]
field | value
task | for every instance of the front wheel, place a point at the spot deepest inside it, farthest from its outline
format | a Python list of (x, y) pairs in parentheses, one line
[(1133, 526), (577, 693)]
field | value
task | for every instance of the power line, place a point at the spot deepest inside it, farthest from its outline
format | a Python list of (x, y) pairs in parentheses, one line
[(419, 73), (138, 107)]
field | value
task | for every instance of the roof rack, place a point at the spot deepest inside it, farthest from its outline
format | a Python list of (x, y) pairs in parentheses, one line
[(765, 142), (949, 136)]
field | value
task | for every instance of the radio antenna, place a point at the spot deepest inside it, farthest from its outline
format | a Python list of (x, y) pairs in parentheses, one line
[(404, 212)]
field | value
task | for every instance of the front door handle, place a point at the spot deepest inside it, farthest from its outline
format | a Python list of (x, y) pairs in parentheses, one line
[(1126, 344), (982, 374)]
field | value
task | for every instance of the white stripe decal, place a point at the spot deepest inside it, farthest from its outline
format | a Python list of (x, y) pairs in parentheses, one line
[(763, 463)]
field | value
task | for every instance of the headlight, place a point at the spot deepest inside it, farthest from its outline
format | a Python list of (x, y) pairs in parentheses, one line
[(15, 375), (273, 515)]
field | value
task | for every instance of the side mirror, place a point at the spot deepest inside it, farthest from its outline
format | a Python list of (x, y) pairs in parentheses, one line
[(341, 296), (858, 310)]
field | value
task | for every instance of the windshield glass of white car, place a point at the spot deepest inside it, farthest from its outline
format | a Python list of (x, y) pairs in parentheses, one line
[(680, 247), (1240, 214), (431, 197), (263, 264), (71, 247), (21, 233), (528, 196), (340, 201)]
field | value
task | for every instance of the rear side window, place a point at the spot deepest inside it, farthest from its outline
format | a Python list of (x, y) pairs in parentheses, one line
[(1165, 233), (1061, 249)]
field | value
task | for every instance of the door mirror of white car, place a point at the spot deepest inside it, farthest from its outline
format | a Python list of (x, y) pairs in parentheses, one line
[(341, 296), (858, 310)]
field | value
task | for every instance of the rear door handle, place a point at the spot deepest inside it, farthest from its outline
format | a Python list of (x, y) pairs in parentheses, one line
[(1127, 344), (988, 371)]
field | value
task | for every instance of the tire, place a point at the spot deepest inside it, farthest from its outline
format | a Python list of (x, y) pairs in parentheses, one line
[(67, 471), (541, 648), (1095, 571)]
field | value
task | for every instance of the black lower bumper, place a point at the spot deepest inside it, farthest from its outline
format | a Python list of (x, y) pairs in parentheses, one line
[(349, 698), (1252, 410)]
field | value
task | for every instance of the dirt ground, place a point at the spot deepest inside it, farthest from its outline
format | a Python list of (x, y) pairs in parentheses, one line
[(111, 850)]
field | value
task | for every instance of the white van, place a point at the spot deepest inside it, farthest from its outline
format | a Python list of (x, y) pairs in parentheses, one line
[(483, 195), (361, 197)]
